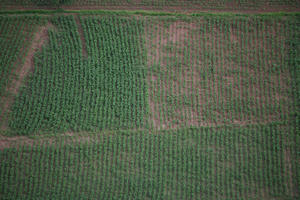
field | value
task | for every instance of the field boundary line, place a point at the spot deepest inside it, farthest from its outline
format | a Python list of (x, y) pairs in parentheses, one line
[(151, 12), (81, 35)]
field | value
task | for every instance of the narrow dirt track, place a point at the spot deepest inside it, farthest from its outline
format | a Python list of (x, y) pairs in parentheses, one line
[(171, 9)]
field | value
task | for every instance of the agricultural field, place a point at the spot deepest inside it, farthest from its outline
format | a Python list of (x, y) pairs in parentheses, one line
[(170, 5), (142, 106), (252, 162)]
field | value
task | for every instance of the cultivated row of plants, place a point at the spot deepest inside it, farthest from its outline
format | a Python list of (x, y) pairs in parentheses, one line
[(161, 72), (115, 86), (199, 163), (69, 91), (15, 35)]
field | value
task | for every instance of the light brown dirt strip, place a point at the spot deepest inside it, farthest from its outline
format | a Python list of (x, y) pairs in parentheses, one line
[(39, 38), (81, 35), (7, 142)]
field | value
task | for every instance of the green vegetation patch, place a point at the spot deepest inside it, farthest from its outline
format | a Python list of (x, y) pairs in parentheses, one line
[(15, 35), (255, 162), (93, 82), (151, 107)]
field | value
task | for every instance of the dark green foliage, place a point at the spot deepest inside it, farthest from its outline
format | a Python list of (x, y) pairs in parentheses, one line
[(72, 92), (51, 3), (15, 35)]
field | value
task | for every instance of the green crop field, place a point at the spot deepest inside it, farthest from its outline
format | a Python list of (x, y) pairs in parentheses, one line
[(121, 105), (253, 162)]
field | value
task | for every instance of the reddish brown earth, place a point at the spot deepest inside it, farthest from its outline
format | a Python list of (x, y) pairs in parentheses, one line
[(167, 41), (7, 142), (48, 139)]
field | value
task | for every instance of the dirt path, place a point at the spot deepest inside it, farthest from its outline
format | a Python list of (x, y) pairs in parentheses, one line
[(171, 9), (289, 168), (50, 139), (81, 35), (7, 142), (38, 40)]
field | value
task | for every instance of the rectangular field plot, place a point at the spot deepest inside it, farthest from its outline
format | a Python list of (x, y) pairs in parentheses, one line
[(129, 106), (254, 162), (88, 76), (212, 71), (133, 72)]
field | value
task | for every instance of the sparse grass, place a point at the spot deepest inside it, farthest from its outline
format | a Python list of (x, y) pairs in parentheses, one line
[(211, 71)]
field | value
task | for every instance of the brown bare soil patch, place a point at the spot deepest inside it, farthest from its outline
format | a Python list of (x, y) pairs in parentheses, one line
[(39, 38), (201, 75), (7, 142), (167, 40), (67, 138)]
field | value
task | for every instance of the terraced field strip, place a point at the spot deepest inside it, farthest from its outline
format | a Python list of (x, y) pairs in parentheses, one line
[(70, 91), (208, 163), (171, 5)]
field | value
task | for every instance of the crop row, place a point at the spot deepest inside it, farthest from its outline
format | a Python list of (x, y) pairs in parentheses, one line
[(236, 163), (15, 35), (70, 91)]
